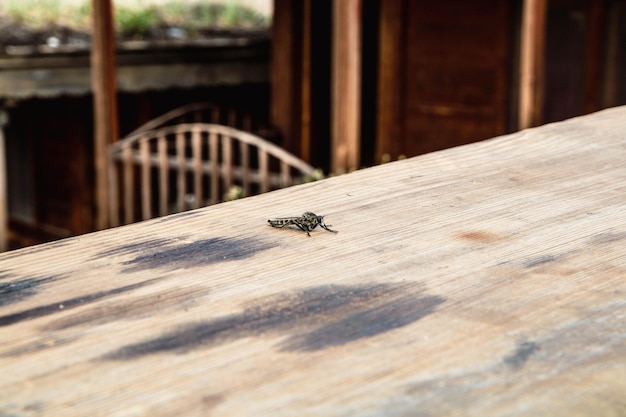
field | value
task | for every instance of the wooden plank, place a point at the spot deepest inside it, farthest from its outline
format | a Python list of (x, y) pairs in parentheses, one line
[(129, 184), (390, 93), (346, 86), (611, 71), (164, 181), (196, 143), (244, 152), (597, 39), (214, 157), (146, 180), (105, 101), (114, 193), (484, 280), (264, 170), (285, 177), (286, 71), (227, 162), (182, 172), (532, 63)]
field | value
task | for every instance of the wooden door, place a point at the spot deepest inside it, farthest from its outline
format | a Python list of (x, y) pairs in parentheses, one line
[(444, 74)]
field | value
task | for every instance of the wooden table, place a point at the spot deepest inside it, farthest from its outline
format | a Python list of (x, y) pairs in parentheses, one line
[(485, 280)]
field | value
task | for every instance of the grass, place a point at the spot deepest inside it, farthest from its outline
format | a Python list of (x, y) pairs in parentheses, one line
[(135, 19)]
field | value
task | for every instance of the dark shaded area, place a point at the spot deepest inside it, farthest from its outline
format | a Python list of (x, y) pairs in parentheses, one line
[(63, 305), (366, 323), (164, 253), (320, 317), (14, 291), (608, 237), (540, 260), (129, 308), (522, 352)]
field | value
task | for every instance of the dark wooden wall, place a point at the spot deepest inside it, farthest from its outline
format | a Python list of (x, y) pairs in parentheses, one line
[(50, 153), (444, 74)]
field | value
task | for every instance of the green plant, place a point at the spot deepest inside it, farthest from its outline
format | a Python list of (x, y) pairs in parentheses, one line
[(134, 18), (136, 22)]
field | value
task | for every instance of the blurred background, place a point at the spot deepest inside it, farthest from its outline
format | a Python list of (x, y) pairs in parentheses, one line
[(341, 84)]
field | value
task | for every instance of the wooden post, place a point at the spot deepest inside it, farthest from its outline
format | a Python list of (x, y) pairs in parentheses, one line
[(346, 85), (4, 200), (103, 82), (287, 71), (531, 63), (390, 112)]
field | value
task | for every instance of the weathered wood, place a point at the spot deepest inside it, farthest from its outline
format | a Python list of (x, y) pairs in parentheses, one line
[(146, 180), (215, 167), (532, 63), (164, 183), (196, 143), (114, 200), (346, 86), (129, 185), (233, 62), (244, 152), (264, 170), (391, 66), (182, 171), (105, 101), (286, 73), (483, 280)]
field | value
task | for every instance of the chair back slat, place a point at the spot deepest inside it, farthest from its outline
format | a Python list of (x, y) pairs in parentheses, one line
[(285, 177), (193, 164), (164, 182), (146, 180), (214, 166), (114, 189), (196, 144), (181, 169), (264, 170), (227, 162), (129, 184), (244, 151)]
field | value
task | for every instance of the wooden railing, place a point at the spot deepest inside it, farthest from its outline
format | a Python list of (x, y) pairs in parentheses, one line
[(191, 165)]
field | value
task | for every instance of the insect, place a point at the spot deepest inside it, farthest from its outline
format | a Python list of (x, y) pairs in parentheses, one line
[(307, 222)]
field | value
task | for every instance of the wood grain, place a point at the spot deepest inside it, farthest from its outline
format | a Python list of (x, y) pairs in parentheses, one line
[(484, 280)]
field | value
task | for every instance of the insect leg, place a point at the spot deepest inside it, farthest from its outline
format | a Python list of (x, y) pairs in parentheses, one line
[(303, 227)]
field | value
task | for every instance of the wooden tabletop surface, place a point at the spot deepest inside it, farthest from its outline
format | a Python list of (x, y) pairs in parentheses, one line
[(485, 280)]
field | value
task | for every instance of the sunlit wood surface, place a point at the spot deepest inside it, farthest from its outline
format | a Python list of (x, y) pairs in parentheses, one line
[(485, 280)]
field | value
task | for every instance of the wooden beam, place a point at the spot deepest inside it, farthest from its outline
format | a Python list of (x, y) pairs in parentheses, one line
[(103, 82), (305, 82), (390, 99), (346, 85), (596, 48), (286, 72), (531, 63)]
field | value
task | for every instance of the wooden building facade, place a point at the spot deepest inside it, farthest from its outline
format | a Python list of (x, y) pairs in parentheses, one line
[(432, 75), (349, 83), (47, 105)]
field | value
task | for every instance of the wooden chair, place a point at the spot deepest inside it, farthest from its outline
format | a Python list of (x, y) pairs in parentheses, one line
[(202, 112), (189, 165)]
